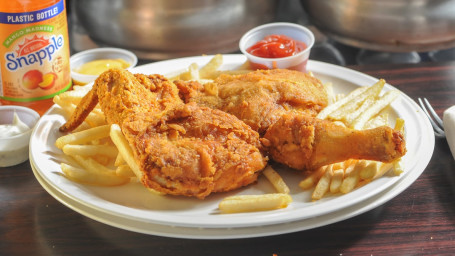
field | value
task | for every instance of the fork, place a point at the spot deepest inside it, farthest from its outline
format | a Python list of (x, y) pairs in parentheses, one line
[(435, 120)]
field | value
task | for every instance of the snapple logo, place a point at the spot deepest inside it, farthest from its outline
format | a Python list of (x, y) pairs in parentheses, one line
[(34, 50)]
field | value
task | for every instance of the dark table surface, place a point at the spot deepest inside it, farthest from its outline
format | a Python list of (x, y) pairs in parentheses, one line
[(419, 221)]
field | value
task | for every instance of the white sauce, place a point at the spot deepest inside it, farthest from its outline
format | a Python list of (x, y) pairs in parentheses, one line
[(16, 128), (13, 150)]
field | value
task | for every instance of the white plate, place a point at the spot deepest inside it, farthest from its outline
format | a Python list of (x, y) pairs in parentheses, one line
[(228, 233), (133, 202)]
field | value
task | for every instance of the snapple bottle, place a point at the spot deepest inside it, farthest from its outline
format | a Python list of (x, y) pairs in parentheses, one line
[(34, 52)]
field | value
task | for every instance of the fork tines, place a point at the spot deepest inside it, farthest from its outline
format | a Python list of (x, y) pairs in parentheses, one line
[(435, 120)]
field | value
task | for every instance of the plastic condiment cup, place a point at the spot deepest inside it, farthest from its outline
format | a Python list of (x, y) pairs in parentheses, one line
[(294, 31), (78, 59), (14, 149)]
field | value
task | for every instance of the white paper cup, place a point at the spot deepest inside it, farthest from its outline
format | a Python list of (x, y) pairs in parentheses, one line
[(294, 31), (14, 149), (83, 57)]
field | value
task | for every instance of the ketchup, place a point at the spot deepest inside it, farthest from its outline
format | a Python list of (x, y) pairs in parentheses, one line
[(276, 46)]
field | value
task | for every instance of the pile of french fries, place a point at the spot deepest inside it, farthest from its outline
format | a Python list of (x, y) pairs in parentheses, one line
[(94, 156), (209, 71), (98, 153)]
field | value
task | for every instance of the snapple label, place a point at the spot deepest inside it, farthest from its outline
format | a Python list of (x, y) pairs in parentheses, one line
[(34, 53)]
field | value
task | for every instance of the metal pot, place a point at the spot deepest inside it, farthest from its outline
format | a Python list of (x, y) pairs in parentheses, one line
[(161, 29), (386, 25)]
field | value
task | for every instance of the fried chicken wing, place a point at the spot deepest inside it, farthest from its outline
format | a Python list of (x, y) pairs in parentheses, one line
[(281, 105), (181, 149)]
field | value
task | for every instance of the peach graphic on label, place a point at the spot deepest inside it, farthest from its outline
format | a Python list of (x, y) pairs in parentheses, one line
[(48, 81), (32, 79)]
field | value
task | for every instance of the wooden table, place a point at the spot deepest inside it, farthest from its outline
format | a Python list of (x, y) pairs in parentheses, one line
[(419, 221)]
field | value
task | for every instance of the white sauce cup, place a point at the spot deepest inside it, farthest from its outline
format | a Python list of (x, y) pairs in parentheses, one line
[(78, 59), (14, 149)]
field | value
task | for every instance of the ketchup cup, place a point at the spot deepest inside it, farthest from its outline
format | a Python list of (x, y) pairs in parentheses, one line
[(294, 31)]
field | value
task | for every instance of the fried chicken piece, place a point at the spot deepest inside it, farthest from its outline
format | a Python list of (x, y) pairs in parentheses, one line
[(181, 149), (282, 105), (152, 92), (303, 142), (261, 97)]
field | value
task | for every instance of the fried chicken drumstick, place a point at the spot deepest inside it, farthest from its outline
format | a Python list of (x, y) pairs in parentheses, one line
[(306, 143), (181, 149), (281, 105)]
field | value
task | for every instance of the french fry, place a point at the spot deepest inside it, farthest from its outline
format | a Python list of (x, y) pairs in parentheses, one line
[(351, 178), (77, 174), (208, 69), (329, 109), (383, 169), (97, 174), (90, 150), (119, 160), (339, 123), (124, 170), (399, 124), (337, 179), (194, 72), (339, 97), (350, 106), (330, 181), (72, 96), (82, 87), (84, 136), (379, 120), (191, 74), (92, 166), (380, 104), (368, 169), (151, 190), (67, 107), (330, 93), (339, 165), (97, 110), (252, 203), (95, 120), (351, 116), (124, 149), (323, 184), (276, 180), (101, 159), (398, 167), (311, 180)]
